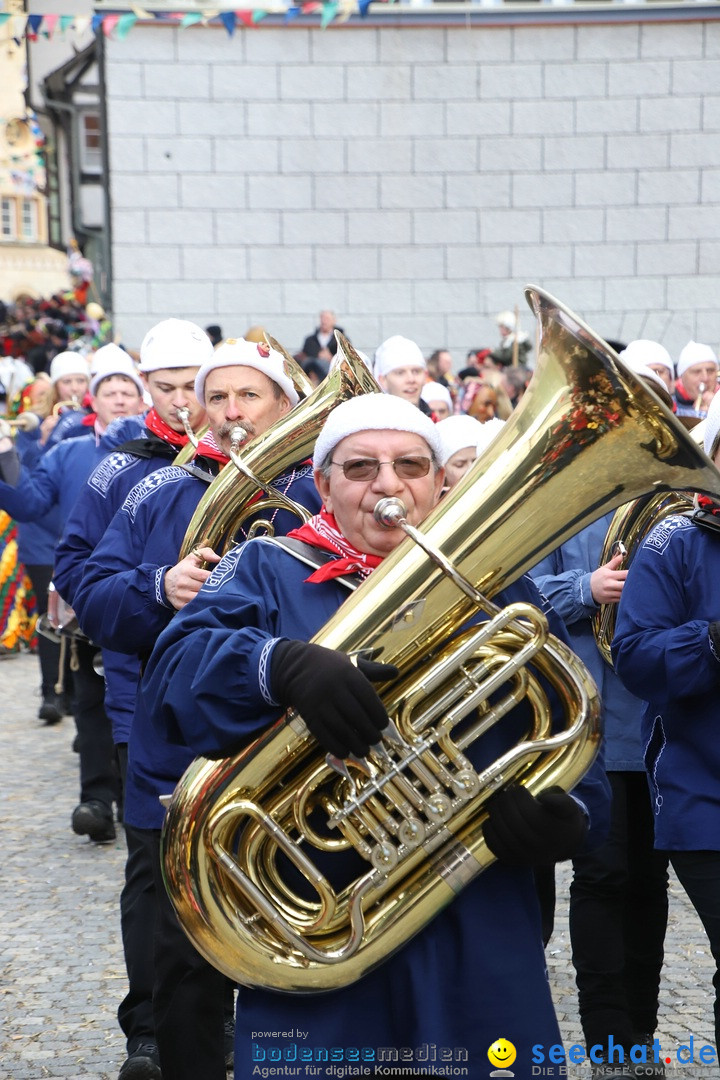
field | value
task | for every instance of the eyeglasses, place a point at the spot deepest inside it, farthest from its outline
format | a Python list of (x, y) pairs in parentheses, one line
[(367, 468)]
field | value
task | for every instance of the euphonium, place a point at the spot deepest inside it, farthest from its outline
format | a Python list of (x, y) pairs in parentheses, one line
[(224, 505), (586, 437)]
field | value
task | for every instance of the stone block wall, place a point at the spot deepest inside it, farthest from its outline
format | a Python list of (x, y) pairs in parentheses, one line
[(414, 178)]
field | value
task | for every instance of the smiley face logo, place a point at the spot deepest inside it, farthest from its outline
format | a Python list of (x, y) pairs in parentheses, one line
[(502, 1053)]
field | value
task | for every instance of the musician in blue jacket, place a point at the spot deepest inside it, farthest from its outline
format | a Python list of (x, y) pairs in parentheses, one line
[(667, 652), (238, 655), (131, 587), (171, 354), (618, 894)]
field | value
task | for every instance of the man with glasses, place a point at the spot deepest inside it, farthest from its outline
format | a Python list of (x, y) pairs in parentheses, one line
[(236, 657)]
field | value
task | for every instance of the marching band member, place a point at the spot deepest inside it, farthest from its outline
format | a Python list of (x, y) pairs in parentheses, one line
[(696, 383), (238, 655), (667, 651), (131, 587), (171, 355)]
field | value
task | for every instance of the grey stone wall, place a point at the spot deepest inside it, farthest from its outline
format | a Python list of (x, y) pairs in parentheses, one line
[(414, 178)]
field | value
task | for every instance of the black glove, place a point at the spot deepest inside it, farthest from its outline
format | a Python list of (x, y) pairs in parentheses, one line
[(334, 697), (527, 830)]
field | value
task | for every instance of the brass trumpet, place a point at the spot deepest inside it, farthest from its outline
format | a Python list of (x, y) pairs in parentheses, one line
[(26, 421)]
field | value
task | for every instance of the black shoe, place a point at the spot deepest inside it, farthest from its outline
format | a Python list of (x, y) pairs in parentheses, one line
[(49, 711), (142, 1064), (651, 1068), (93, 819), (612, 1071), (229, 1044)]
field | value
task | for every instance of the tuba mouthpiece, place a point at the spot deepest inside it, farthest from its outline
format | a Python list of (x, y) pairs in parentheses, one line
[(238, 435), (390, 512)]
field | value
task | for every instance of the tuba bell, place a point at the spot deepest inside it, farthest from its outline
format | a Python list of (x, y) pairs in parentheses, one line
[(587, 437)]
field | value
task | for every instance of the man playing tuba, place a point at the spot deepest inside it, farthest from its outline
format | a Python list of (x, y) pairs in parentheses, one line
[(235, 657)]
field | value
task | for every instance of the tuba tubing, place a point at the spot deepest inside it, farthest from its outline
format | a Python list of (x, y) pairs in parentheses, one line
[(588, 436)]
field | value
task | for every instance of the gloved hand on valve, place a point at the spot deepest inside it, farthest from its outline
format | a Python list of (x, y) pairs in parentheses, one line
[(335, 698), (528, 830)]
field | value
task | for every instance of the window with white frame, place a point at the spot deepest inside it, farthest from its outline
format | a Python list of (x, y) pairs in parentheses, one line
[(29, 219), (90, 143), (8, 218)]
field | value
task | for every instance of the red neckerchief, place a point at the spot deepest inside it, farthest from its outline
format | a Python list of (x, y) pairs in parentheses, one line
[(322, 532), (207, 447), (708, 505), (89, 420), (155, 423)]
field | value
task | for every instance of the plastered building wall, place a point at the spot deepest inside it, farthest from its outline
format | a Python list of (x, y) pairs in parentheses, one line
[(415, 178)]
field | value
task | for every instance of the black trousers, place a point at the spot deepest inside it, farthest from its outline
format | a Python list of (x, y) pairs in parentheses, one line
[(190, 999), (699, 874), (618, 918), (48, 651), (137, 923), (99, 774)]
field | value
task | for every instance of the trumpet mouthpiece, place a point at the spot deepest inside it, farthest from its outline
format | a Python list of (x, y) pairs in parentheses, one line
[(390, 513)]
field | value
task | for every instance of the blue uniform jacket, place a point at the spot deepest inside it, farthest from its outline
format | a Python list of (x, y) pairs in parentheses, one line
[(102, 495), (564, 578), (478, 969), (120, 601), (36, 539), (663, 653), (58, 478)]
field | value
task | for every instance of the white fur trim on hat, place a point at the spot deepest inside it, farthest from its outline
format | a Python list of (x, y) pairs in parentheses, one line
[(458, 432), (237, 352), (69, 363), (396, 352), (174, 343), (112, 360), (435, 391), (695, 353), (374, 412), (712, 426), (646, 352)]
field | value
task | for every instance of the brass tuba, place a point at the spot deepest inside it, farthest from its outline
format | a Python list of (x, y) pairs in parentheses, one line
[(586, 437), (627, 530), (225, 504)]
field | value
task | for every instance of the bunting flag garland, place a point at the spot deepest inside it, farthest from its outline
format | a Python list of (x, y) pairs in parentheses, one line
[(118, 25)]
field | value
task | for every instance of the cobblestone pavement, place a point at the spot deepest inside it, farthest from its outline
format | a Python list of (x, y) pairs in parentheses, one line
[(62, 966)]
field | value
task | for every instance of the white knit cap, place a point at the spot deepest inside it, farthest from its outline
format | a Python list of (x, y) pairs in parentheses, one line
[(712, 425), (174, 343), (396, 352), (435, 391), (506, 319), (237, 352), (458, 432), (647, 373), (646, 352), (374, 412), (695, 353), (69, 363), (112, 360)]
